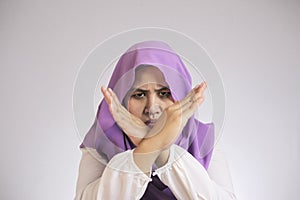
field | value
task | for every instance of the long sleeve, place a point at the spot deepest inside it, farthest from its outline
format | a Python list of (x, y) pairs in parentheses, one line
[(90, 171), (188, 179), (120, 178)]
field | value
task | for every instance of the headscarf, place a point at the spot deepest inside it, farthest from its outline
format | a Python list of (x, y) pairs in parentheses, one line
[(108, 139)]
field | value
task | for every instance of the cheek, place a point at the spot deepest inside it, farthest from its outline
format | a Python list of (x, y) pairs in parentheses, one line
[(135, 107), (167, 103)]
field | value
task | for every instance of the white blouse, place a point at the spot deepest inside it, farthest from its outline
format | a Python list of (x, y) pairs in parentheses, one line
[(120, 178)]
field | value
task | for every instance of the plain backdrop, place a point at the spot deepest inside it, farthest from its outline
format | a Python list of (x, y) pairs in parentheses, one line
[(255, 45)]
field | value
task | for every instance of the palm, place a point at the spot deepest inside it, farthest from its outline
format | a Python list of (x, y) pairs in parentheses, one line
[(130, 124)]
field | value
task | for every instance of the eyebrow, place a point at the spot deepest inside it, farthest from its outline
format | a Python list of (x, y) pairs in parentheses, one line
[(141, 90)]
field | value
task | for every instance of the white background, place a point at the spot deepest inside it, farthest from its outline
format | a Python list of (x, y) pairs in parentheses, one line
[(255, 45)]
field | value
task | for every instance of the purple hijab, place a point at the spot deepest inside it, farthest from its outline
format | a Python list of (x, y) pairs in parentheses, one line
[(108, 139)]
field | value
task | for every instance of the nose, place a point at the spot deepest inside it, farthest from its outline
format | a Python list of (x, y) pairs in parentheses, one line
[(153, 108)]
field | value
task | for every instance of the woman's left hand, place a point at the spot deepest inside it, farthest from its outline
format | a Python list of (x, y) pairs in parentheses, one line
[(172, 121)]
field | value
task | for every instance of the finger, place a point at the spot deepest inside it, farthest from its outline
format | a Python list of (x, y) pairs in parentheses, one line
[(199, 92), (106, 95), (187, 113), (116, 105), (190, 108), (115, 99), (196, 93), (192, 97), (130, 124), (110, 101), (186, 100), (122, 114)]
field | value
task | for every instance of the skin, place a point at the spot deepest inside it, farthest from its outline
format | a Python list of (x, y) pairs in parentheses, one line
[(150, 117)]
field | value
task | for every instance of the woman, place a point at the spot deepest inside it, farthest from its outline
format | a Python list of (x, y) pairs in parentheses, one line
[(145, 142)]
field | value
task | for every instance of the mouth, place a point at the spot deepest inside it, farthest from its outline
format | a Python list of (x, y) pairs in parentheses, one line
[(150, 123)]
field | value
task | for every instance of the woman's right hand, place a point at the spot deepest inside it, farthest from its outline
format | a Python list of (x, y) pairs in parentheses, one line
[(133, 127)]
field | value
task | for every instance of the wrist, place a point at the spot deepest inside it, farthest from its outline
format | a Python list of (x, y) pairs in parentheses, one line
[(144, 158)]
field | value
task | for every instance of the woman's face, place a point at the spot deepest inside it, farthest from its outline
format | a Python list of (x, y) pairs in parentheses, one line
[(149, 95)]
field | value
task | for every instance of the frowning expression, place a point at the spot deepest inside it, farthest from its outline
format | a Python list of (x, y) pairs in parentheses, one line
[(149, 95)]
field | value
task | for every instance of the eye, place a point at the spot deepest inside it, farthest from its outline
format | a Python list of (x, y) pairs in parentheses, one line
[(138, 95), (165, 94)]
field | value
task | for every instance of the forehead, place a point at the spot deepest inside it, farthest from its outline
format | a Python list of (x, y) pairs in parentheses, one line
[(148, 75)]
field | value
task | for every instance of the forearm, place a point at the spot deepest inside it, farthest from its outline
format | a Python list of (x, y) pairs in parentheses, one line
[(119, 174), (149, 151), (144, 156), (188, 179)]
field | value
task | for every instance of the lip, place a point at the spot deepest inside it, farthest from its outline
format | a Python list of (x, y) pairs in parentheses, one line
[(150, 122)]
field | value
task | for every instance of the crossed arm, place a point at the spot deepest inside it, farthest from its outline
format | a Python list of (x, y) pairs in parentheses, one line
[(183, 174), (153, 144), (120, 178)]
